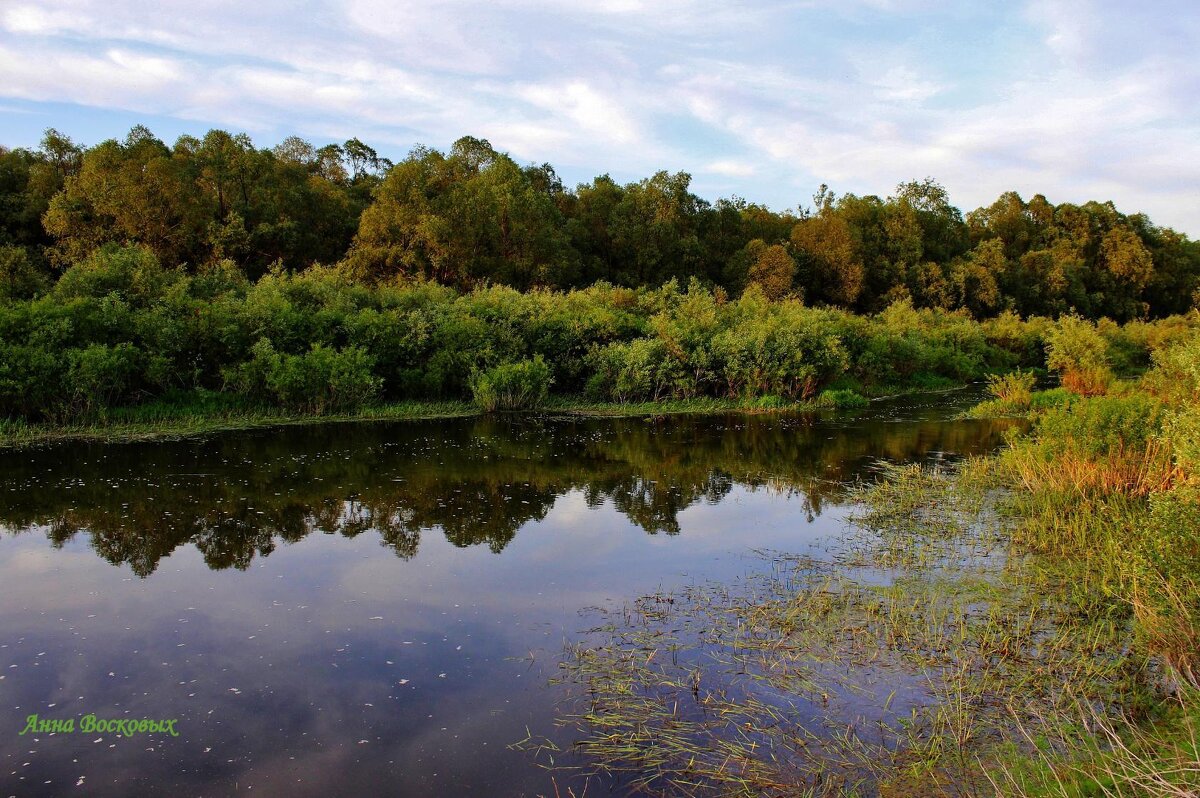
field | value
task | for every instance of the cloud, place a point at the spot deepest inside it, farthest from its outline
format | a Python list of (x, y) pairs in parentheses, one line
[(730, 168), (1078, 99)]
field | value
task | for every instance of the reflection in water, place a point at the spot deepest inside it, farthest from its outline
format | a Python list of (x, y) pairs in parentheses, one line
[(335, 667), (477, 481)]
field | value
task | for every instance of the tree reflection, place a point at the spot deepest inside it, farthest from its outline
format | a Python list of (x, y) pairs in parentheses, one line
[(477, 482)]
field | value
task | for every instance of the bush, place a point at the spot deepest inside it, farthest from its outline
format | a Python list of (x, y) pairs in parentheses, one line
[(635, 371), (842, 400), (31, 381), (1075, 349), (1043, 401), (321, 380), (1184, 433), (1176, 374), (1014, 390), (132, 273), (98, 377), (20, 277), (1167, 596), (1101, 425), (512, 386)]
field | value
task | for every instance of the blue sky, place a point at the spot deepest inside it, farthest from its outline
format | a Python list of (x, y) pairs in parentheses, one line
[(1077, 99)]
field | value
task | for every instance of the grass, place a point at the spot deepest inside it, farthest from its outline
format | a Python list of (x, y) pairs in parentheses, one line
[(944, 647), (201, 412), (204, 413), (165, 421)]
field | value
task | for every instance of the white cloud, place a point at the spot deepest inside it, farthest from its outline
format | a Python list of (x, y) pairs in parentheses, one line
[(1067, 97), (592, 111), (730, 168)]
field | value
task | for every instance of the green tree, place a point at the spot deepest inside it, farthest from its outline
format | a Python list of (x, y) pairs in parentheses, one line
[(773, 270), (830, 267)]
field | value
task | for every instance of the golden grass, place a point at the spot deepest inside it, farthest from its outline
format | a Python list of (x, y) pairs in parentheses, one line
[(1126, 471)]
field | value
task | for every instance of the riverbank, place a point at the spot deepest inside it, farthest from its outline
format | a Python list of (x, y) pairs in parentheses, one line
[(191, 418), (1023, 624), (209, 413)]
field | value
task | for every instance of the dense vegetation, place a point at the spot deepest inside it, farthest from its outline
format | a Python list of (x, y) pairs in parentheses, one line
[(1107, 486), (119, 329), (1035, 615), (474, 216), (322, 280)]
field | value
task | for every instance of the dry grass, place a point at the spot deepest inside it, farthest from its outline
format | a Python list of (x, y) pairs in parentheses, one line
[(1087, 381), (1128, 471)]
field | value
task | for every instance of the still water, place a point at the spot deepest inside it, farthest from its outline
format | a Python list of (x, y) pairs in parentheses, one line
[(349, 609)]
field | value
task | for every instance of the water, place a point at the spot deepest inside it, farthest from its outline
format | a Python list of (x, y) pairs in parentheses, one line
[(353, 608)]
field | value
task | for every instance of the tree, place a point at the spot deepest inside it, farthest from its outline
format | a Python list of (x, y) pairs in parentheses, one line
[(772, 270), (976, 279), (830, 267), (474, 216)]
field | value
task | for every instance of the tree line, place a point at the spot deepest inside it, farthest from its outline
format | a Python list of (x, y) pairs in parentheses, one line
[(473, 216)]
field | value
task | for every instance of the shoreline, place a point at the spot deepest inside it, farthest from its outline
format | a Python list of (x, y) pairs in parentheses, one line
[(19, 435)]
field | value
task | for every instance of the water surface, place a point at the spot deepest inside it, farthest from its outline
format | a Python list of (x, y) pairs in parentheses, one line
[(354, 608)]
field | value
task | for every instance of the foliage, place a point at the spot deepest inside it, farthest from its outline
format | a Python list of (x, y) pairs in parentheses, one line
[(20, 276), (318, 381), (473, 217), (322, 330), (1014, 389), (842, 399), (1076, 349), (512, 386)]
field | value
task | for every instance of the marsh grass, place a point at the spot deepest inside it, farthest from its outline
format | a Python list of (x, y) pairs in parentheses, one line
[(943, 646)]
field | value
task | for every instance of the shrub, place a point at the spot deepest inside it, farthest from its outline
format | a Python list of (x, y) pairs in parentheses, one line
[(1167, 594), (1097, 446), (319, 381), (20, 277), (512, 386), (98, 376), (842, 399), (641, 369), (31, 380), (1176, 374), (1075, 349), (1015, 389), (1101, 425), (1184, 433), (1042, 401), (132, 273), (783, 349)]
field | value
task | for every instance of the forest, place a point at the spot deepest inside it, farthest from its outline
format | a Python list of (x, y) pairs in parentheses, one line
[(474, 216), (322, 279)]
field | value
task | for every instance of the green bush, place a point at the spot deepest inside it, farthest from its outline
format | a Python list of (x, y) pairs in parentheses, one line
[(512, 386), (319, 381), (99, 376), (1041, 401), (842, 399), (1076, 350), (640, 370), (31, 381), (1176, 373), (132, 273), (20, 276), (317, 340), (1167, 593), (1100, 425), (1015, 388), (1184, 433)]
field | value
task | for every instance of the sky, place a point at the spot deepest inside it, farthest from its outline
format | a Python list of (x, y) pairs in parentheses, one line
[(1074, 99)]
